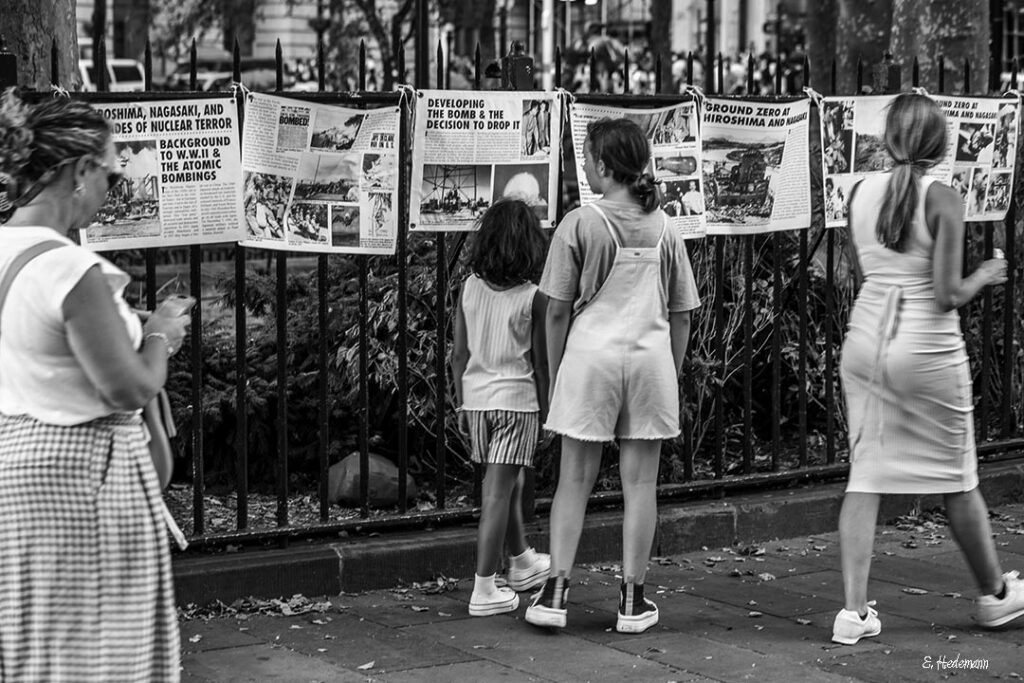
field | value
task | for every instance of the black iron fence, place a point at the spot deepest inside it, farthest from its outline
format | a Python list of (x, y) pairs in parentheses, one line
[(358, 358)]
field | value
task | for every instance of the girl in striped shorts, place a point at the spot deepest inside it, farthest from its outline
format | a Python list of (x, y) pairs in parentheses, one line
[(501, 386)]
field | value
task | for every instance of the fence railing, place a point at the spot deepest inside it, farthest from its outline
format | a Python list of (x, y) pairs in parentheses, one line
[(759, 387)]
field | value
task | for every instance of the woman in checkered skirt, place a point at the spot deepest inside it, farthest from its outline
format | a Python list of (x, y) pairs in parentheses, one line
[(86, 590)]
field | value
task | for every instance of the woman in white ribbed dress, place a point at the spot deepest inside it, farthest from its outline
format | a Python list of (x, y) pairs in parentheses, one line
[(86, 592), (905, 370)]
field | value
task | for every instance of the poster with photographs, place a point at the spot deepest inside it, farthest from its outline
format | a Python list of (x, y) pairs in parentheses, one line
[(981, 146), (180, 176), (676, 157), (319, 177), (471, 150), (756, 173)]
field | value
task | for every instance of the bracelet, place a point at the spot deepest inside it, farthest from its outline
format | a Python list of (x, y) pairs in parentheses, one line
[(164, 337)]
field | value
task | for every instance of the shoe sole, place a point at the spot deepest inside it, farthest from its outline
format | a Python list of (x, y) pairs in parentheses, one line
[(529, 582), (545, 617), (1001, 621), (853, 641), (492, 609), (637, 624)]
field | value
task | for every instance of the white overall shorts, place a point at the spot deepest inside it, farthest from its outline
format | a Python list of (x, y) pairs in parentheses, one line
[(617, 378)]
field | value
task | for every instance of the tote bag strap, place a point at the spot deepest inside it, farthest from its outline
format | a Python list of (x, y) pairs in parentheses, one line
[(20, 261)]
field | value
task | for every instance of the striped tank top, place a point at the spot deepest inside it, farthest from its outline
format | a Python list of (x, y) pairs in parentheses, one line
[(499, 329)]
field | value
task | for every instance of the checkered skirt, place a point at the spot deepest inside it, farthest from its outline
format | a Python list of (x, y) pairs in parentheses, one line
[(86, 592)]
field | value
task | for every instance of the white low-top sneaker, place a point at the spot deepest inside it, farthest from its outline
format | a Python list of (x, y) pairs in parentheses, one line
[(848, 627), (486, 604), (530, 577), (992, 612)]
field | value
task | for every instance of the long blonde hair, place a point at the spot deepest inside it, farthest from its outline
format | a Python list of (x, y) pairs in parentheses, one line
[(915, 136)]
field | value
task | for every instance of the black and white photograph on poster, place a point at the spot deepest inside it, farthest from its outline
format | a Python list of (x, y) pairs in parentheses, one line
[(682, 197), (870, 155), (740, 175), (961, 181), (335, 130), (307, 223), (454, 194), (683, 164), (264, 199), (132, 207), (381, 208), (536, 127), (328, 177), (998, 196), (837, 194), (977, 191), (526, 182), (1005, 145), (974, 142), (676, 127), (837, 131), (648, 122), (344, 225), (380, 171)]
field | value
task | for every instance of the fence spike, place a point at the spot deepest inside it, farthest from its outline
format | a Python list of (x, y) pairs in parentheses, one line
[(967, 75), (915, 74), (147, 65), (942, 73), (278, 67), (594, 84), (54, 64), (236, 67), (321, 66), (192, 66), (657, 74), (439, 66), (689, 67), (362, 65), (558, 66), (477, 68), (625, 73), (750, 74)]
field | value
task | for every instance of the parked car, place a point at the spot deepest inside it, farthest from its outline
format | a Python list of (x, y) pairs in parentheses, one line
[(258, 73), (123, 75)]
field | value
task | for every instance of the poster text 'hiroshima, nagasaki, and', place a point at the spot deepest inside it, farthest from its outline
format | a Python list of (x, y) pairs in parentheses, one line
[(181, 175), (471, 149), (319, 177)]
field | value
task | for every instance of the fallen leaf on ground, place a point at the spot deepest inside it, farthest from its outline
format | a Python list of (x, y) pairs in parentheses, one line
[(368, 665), (915, 591)]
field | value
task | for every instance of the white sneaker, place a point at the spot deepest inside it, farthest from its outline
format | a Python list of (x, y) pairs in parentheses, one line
[(532, 576), (640, 620), (848, 627), (548, 606), (486, 604), (991, 611)]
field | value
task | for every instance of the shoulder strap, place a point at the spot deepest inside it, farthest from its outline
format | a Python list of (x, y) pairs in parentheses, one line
[(20, 261), (607, 224)]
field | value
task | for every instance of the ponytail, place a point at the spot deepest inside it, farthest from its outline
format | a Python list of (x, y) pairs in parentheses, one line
[(898, 207), (645, 192)]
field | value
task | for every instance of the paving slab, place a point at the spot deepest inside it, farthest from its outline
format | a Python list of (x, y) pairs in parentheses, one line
[(262, 663), (481, 670)]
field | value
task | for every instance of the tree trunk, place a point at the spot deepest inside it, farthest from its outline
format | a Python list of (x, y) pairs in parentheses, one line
[(30, 28), (821, 42), (955, 29), (661, 40), (863, 29)]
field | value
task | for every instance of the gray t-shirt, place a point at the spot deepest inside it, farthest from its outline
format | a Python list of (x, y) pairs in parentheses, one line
[(582, 252)]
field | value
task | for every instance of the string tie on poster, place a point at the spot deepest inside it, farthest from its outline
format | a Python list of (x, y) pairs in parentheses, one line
[(59, 91), (815, 96), (918, 90), (1012, 92), (238, 87), (696, 93), (406, 95)]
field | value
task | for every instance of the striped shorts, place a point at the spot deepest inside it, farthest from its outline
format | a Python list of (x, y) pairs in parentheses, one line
[(503, 437)]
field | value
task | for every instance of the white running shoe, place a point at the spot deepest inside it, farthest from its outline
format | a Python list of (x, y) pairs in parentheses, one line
[(848, 627), (990, 611)]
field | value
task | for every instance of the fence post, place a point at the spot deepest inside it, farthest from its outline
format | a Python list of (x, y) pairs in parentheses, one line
[(8, 67)]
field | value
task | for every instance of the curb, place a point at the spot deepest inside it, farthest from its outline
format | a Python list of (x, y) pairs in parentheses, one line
[(383, 562)]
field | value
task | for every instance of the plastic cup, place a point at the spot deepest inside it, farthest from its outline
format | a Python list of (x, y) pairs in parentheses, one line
[(177, 304), (997, 253)]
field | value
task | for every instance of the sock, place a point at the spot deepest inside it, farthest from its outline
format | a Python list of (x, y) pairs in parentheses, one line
[(1002, 592), (524, 560), (484, 585), (863, 617)]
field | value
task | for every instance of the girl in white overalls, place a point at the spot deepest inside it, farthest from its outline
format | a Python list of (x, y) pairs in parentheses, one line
[(620, 291)]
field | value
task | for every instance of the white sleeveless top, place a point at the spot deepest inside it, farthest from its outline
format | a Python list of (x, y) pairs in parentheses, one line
[(39, 374), (499, 329)]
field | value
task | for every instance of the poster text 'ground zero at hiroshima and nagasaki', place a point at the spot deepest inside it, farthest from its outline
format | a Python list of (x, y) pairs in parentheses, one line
[(319, 177), (471, 149), (182, 176)]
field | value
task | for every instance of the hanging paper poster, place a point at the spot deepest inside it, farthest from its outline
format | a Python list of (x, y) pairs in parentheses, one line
[(756, 173), (182, 178), (676, 157), (320, 177), (981, 148), (471, 149)]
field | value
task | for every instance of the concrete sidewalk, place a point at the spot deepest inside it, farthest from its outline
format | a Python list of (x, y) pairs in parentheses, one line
[(761, 612)]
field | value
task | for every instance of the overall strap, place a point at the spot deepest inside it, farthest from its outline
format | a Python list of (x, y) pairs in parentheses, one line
[(20, 261), (607, 224), (664, 227)]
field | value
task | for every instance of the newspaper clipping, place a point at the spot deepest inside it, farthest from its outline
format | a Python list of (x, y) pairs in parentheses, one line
[(756, 169), (981, 146), (676, 157), (319, 177), (471, 149), (182, 178)]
